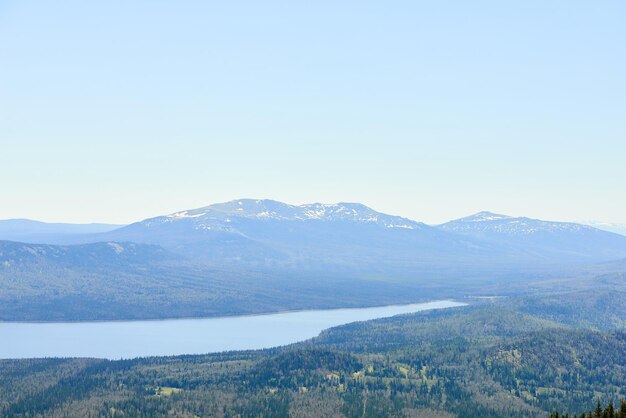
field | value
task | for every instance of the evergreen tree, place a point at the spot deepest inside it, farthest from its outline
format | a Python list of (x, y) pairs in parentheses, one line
[(610, 411)]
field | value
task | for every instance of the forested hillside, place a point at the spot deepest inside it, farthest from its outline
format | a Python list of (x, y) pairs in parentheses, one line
[(481, 361), (609, 411)]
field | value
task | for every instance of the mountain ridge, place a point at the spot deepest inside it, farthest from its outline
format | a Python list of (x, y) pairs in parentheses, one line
[(540, 238), (511, 224), (38, 232), (266, 209), (264, 233), (271, 234)]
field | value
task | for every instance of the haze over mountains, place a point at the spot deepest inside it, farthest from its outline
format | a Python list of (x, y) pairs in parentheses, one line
[(248, 256), (26, 230), (271, 234), (540, 239), (617, 228)]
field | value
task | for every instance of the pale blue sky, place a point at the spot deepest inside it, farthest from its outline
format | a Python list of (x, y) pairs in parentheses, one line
[(114, 111)]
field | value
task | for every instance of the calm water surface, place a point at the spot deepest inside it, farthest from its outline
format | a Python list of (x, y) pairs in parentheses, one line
[(128, 339)]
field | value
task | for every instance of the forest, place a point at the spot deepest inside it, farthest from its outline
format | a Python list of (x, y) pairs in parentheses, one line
[(485, 360), (609, 411)]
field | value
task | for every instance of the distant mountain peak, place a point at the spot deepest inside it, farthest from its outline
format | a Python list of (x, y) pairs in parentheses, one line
[(265, 209), (488, 222), (484, 216)]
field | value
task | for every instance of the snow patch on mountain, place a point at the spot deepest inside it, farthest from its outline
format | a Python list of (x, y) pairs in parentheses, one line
[(484, 216), (185, 214), (214, 217), (502, 224), (116, 247)]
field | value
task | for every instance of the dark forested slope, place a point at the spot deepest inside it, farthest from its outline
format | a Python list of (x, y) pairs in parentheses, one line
[(468, 362)]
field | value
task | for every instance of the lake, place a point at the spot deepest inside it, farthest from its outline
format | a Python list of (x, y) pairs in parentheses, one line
[(129, 339)]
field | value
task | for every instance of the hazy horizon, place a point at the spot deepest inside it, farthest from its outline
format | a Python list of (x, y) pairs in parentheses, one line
[(115, 112), (592, 222)]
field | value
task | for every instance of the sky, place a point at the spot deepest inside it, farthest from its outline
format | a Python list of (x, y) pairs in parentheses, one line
[(121, 110)]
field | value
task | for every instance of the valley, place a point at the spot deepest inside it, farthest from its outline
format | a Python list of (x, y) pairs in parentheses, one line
[(251, 256), (484, 360), (541, 327)]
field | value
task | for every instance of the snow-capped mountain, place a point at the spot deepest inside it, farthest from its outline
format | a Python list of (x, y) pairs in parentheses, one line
[(483, 216), (545, 239), (277, 211), (248, 233), (271, 233), (488, 222)]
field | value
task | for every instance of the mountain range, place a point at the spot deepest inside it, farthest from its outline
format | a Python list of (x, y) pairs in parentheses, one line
[(271, 234), (26, 230), (248, 256)]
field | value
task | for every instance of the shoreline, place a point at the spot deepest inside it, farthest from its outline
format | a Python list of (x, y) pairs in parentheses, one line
[(188, 318)]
